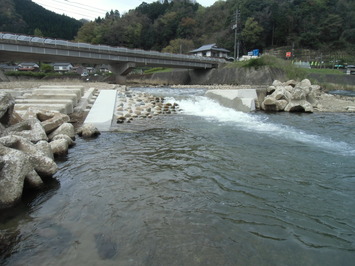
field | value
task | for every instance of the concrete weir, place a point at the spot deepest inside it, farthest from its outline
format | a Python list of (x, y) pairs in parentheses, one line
[(240, 100), (102, 111)]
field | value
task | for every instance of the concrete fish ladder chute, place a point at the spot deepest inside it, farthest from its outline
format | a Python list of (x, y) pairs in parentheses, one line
[(240, 100), (101, 113)]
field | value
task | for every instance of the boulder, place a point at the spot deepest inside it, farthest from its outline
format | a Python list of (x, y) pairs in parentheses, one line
[(70, 141), (45, 149), (15, 118), (15, 167), (33, 180), (66, 129), (88, 131), (42, 164), (7, 104), (59, 147), (30, 129), (54, 122), (50, 120)]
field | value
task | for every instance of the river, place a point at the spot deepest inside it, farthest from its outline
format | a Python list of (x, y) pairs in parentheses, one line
[(208, 186)]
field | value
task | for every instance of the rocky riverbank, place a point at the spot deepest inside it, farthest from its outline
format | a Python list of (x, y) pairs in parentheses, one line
[(325, 102), (29, 145)]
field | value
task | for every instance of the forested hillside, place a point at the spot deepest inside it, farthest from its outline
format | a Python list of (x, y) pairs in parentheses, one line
[(181, 25), (25, 16)]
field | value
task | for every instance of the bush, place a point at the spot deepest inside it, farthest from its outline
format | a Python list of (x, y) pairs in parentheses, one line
[(25, 74)]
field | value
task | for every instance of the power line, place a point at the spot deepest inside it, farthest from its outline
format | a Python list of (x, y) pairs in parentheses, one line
[(86, 5), (77, 10), (92, 11), (66, 11)]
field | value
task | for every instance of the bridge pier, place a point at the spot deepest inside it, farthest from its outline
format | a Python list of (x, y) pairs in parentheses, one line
[(121, 70)]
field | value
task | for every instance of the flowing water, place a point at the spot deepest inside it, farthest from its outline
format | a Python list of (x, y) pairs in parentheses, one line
[(209, 186)]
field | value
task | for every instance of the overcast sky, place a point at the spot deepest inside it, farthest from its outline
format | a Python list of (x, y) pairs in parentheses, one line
[(91, 9)]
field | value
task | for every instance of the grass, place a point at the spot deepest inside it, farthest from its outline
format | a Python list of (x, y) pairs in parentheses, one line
[(325, 71), (157, 70), (291, 70)]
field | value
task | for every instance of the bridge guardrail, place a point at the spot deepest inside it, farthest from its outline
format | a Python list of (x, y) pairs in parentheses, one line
[(104, 48)]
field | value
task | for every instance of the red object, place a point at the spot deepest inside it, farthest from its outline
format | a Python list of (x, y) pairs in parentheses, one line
[(288, 54)]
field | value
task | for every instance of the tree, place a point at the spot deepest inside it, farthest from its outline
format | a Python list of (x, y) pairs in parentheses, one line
[(179, 46), (46, 68), (38, 32), (251, 33)]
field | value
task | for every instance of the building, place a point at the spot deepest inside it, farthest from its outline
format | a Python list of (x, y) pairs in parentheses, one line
[(6, 67), (210, 50), (28, 67), (62, 67)]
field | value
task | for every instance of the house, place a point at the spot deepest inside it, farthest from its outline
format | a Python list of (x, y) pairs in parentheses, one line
[(103, 68), (62, 67), (5, 67), (28, 67), (210, 50)]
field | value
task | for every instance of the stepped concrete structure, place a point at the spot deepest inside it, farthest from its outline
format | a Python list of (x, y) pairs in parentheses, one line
[(241, 100), (62, 98)]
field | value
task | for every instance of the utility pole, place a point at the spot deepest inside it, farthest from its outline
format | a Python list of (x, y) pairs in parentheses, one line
[(236, 41)]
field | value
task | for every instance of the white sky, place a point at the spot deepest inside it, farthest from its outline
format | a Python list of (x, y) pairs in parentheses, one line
[(91, 9)]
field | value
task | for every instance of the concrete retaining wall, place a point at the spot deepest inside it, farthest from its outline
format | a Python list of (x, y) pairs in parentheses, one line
[(233, 76)]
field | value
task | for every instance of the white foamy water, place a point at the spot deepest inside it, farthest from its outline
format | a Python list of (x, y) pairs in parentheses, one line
[(213, 111)]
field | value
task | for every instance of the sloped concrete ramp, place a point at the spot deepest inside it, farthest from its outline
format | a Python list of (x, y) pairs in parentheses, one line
[(240, 100), (102, 111)]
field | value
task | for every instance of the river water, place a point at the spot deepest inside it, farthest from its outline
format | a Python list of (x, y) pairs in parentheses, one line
[(209, 186)]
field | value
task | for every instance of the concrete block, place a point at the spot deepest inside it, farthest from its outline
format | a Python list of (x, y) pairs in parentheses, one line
[(69, 107), (240, 100), (64, 87), (85, 100), (50, 107), (72, 97), (57, 91)]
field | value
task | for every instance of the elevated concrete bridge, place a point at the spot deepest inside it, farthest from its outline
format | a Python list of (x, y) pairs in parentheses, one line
[(14, 47)]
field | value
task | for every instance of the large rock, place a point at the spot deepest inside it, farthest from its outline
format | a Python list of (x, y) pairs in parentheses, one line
[(49, 120), (68, 139), (7, 104), (55, 122), (45, 148), (88, 131), (15, 166), (30, 129), (59, 147), (44, 165), (65, 129)]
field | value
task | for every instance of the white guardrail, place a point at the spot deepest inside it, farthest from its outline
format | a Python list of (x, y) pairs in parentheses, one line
[(25, 39)]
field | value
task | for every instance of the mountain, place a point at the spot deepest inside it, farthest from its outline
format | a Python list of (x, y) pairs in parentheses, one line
[(27, 17), (325, 25)]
